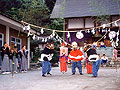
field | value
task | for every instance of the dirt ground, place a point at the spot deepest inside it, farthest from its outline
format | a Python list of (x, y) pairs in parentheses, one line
[(108, 79)]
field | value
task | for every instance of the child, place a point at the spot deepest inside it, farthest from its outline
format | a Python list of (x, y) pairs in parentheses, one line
[(115, 53), (102, 45), (104, 59), (94, 44)]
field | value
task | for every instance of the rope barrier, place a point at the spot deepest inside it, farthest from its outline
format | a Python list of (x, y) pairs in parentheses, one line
[(67, 31)]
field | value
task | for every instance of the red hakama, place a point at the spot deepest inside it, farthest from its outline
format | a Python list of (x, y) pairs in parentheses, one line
[(89, 68), (63, 64)]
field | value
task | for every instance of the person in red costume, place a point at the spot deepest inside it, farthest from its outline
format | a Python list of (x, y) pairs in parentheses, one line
[(63, 58), (76, 56)]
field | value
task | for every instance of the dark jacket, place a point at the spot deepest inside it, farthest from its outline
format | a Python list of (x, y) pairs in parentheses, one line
[(91, 51), (47, 51), (3, 52)]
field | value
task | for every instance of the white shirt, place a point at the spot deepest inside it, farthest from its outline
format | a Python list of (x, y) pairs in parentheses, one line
[(95, 43), (102, 43), (104, 58)]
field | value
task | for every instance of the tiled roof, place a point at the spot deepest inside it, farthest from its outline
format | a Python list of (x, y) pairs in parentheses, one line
[(82, 8)]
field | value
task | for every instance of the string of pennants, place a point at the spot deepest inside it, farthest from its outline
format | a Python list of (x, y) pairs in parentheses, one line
[(79, 33)]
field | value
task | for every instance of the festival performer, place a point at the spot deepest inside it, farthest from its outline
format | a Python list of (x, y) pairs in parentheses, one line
[(23, 57), (5, 59), (63, 58), (115, 53), (98, 62), (76, 56), (92, 57), (46, 56)]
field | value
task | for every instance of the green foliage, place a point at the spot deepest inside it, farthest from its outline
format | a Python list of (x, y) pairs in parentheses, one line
[(9, 7), (36, 55), (55, 57), (34, 11)]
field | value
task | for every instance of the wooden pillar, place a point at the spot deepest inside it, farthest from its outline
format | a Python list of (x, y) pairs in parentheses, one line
[(7, 35), (64, 29), (28, 46)]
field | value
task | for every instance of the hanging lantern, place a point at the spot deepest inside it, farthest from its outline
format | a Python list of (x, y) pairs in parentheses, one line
[(105, 37), (24, 28), (103, 30), (118, 33), (109, 30), (93, 31), (116, 23), (88, 31), (49, 37), (34, 37), (117, 44), (60, 41), (112, 34), (28, 27), (38, 38), (53, 33), (99, 30), (79, 35), (104, 25), (28, 33), (68, 35), (57, 36), (43, 40), (42, 31)]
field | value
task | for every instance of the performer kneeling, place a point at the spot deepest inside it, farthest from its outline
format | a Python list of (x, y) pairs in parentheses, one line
[(76, 56), (46, 56), (93, 58)]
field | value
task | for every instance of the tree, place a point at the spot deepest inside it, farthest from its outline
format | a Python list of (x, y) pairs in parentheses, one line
[(9, 7), (34, 11)]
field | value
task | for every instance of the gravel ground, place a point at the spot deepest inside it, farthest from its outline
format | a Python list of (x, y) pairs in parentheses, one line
[(108, 79)]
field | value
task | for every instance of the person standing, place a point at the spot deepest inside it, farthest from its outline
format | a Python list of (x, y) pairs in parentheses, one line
[(5, 59), (76, 56), (115, 52), (11, 59), (63, 58), (0, 58), (98, 62), (23, 57), (92, 56), (15, 59)]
